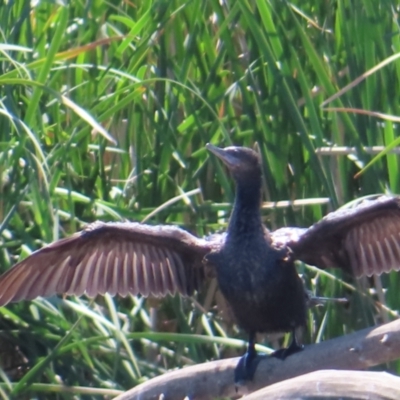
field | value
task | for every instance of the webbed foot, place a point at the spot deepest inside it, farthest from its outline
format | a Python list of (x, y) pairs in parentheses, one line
[(247, 364), (294, 347), (246, 368), (286, 352)]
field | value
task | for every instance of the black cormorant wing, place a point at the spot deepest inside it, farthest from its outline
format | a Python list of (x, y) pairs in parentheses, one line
[(364, 240), (116, 258)]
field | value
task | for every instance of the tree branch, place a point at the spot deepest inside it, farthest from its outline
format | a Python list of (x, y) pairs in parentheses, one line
[(333, 385), (359, 350)]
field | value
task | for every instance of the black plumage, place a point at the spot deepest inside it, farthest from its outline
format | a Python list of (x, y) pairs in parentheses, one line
[(257, 278), (254, 267)]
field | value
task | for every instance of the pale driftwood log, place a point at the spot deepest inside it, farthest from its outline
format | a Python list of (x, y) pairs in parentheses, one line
[(333, 385), (356, 351)]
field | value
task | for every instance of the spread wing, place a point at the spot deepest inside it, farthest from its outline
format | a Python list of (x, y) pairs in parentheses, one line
[(117, 258), (364, 240)]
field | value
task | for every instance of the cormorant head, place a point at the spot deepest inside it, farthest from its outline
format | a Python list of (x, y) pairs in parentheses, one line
[(242, 162)]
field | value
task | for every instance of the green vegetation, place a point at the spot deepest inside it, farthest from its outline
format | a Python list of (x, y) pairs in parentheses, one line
[(163, 78)]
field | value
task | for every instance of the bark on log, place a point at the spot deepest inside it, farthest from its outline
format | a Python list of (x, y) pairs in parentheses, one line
[(356, 351), (333, 385)]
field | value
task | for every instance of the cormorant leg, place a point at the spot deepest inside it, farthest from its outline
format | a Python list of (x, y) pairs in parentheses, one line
[(247, 364), (294, 347)]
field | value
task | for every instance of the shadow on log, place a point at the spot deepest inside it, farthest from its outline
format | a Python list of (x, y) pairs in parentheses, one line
[(333, 385), (356, 351)]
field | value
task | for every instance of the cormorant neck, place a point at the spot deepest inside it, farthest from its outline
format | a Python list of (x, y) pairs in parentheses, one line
[(246, 215)]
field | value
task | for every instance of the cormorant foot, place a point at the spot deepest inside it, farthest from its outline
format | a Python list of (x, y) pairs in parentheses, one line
[(246, 368), (287, 351)]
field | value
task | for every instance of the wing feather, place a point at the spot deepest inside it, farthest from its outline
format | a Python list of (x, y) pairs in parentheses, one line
[(364, 240), (128, 268), (163, 273), (116, 258)]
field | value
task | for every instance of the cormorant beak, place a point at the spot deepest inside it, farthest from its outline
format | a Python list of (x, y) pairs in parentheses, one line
[(227, 158)]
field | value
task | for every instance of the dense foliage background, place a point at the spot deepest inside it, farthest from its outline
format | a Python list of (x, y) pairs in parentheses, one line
[(105, 108)]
